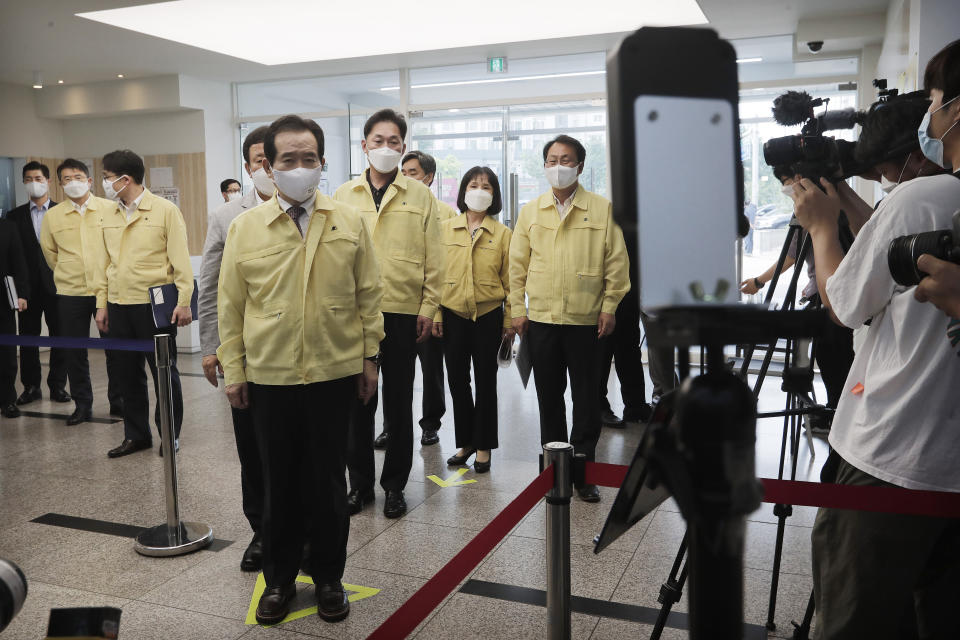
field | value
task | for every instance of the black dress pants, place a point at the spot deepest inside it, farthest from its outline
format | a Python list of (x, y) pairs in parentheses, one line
[(8, 357), (301, 430), (135, 321), (624, 345), (466, 341), (251, 467), (430, 354), (555, 350), (834, 353), (398, 352), (41, 306), (75, 315)]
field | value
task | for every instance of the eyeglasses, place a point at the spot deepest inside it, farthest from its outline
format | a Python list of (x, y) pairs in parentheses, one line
[(68, 179), (564, 160)]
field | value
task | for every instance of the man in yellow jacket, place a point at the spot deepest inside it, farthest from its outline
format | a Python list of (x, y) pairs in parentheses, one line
[(300, 331), (144, 245), (568, 259), (401, 215), (71, 244)]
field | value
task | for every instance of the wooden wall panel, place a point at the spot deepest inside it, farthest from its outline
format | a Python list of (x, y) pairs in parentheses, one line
[(189, 175)]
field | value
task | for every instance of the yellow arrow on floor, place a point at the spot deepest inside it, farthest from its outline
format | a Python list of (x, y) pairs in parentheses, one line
[(453, 480), (356, 593)]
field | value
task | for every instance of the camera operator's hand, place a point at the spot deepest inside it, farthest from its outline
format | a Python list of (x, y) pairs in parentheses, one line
[(749, 287), (941, 287), (815, 208)]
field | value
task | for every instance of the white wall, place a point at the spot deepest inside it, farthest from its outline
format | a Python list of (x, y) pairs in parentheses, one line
[(22, 131), (219, 134), (147, 134), (933, 25)]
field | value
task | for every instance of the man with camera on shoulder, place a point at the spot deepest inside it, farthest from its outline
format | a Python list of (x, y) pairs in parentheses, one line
[(888, 575)]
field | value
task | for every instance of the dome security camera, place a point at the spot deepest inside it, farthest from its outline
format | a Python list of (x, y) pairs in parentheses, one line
[(815, 46)]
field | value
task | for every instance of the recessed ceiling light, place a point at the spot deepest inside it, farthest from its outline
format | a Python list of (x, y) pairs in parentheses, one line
[(748, 60), (59, 81), (224, 26), (119, 75), (37, 80)]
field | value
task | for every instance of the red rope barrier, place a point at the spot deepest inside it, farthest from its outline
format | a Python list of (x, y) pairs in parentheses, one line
[(405, 619), (815, 494)]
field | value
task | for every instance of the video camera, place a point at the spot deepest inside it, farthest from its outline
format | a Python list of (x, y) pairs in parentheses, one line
[(904, 251), (811, 154)]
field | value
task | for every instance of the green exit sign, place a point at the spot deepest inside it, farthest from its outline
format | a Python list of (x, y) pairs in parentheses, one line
[(497, 65)]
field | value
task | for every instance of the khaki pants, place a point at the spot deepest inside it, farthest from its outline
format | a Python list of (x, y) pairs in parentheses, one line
[(883, 575)]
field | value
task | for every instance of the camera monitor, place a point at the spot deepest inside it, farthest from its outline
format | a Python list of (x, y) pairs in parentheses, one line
[(677, 179)]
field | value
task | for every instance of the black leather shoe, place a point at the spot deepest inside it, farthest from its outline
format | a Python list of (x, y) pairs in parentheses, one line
[(78, 416), (589, 493), (274, 604), (380, 442), (482, 467), (643, 413), (29, 395), (610, 419), (59, 395), (176, 445), (253, 557), (429, 437), (395, 506), (357, 500), (129, 446), (459, 461), (116, 410), (10, 411), (332, 603)]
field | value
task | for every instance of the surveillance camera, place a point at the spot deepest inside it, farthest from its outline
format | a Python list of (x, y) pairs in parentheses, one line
[(815, 46)]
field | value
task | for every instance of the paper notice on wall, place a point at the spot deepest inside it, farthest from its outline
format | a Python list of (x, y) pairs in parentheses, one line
[(160, 177), (168, 193)]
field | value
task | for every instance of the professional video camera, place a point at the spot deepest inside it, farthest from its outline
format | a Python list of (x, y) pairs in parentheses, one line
[(904, 251), (812, 154), (13, 591)]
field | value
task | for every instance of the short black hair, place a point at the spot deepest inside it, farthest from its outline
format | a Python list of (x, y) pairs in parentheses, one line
[(497, 205), (386, 115), (33, 165), (257, 136), (890, 129), (427, 162), (124, 162), (72, 163), (943, 71), (226, 184), (290, 123), (570, 142), (783, 171)]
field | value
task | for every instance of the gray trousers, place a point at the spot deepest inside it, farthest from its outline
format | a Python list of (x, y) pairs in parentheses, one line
[(661, 362), (884, 575)]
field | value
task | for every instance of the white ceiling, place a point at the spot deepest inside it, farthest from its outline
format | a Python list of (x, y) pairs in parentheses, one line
[(46, 36)]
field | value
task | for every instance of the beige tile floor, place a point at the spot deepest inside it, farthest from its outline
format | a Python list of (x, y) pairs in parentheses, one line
[(46, 466)]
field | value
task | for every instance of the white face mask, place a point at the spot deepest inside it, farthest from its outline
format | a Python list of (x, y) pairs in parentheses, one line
[(76, 188), (383, 159), (560, 176), (478, 200), (36, 189), (234, 195), (787, 190), (299, 184), (262, 182), (108, 188), (887, 185)]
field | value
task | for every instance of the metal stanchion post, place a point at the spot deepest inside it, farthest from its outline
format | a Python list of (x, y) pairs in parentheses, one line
[(560, 455), (173, 538)]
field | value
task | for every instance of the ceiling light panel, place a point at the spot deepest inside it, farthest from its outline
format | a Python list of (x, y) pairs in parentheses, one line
[(295, 31)]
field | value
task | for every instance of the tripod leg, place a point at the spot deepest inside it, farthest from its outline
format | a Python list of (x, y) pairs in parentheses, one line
[(671, 590), (782, 511), (802, 631)]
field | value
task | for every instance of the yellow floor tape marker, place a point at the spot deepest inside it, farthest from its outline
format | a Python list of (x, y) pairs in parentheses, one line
[(356, 593), (453, 480)]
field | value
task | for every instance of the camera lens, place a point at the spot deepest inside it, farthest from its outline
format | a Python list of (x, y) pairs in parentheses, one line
[(904, 251), (785, 150), (13, 591)]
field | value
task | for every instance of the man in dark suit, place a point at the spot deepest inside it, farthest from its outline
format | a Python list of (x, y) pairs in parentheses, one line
[(43, 292), (11, 264)]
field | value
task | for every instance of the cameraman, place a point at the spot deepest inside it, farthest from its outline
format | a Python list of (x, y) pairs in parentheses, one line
[(884, 575)]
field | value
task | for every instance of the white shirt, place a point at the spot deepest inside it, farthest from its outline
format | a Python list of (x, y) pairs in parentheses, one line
[(304, 218), (564, 207), (81, 208), (133, 205), (36, 215), (904, 427)]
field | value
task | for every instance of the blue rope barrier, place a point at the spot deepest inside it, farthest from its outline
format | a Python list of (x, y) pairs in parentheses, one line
[(113, 344)]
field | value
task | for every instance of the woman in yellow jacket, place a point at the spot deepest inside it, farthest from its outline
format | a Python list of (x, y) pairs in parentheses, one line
[(474, 312)]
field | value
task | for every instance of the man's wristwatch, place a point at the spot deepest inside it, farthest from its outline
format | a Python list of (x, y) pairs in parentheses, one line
[(374, 359), (758, 284)]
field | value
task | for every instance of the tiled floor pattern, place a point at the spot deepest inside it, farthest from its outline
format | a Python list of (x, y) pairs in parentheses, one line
[(46, 466)]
